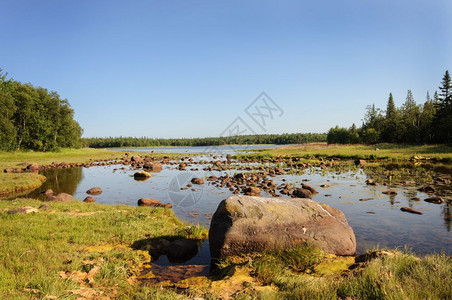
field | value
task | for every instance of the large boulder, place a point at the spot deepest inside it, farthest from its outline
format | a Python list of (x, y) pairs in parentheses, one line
[(246, 224), (153, 166)]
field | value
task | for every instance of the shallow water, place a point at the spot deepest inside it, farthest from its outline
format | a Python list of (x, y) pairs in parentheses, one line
[(377, 223)]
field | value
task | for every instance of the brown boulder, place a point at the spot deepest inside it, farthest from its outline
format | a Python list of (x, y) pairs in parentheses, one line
[(427, 189), (94, 191), (308, 187), (436, 200), (244, 224), (136, 159)]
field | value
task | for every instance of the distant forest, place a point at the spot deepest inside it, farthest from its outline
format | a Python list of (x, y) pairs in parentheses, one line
[(35, 118), (286, 138), (411, 123)]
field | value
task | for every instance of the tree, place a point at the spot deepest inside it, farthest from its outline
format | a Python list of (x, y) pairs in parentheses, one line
[(410, 119), (443, 118), (389, 132), (428, 112), (7, 109)]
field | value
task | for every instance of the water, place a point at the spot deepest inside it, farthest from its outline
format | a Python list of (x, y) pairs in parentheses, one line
[(201, 149), (377, 223)]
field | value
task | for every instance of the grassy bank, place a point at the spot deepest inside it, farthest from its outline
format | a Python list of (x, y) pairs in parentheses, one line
[(85, 250), (17, 182), (388, 152), (51, 253)]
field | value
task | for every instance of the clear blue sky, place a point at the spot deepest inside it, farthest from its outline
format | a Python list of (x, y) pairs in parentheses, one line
[(189, 68)]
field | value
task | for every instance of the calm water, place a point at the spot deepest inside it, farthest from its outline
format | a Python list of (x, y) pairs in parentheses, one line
[(378, 222), (201, 149)]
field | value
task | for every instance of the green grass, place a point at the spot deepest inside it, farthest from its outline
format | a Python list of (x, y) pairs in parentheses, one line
[(36, 247), (393, 152), (18, 182), (397, 276)]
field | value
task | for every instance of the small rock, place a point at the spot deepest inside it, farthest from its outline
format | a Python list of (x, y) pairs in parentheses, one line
[(411, 210), (61, 197), (436, 200), (48, 192), (302, 193), (370, 182), (366, 199), (252, 191), (89, 199), (427, 189), (415, 199), (325, 186), (153, 203), (197, 180), (153, 167), (360, 162), (141, 174), (94, 191), (308, 187), (33, 167), (136, 159), (389, 192)]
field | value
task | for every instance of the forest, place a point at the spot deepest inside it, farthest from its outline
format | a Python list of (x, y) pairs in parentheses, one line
[(35, 118), (412, 123), (286, 138)]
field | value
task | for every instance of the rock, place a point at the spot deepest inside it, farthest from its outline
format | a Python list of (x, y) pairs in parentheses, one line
[(228, 158), (8, 170), (23, 210), (302, 193), (365, 199), (415, 199), (370, 182), (182, 166), (44, 207), (436, 200), (245, 224), (427, 189), (48, 192), (310, 188), (89, 199), (252, 191), (94, 191), (180, 251), (33, 167), (141, 175), (153, 203), (197, 180), (325, 186), (389, 192), (411, 210), (61, 197), (153, 166), (136, 159), (360, 162)]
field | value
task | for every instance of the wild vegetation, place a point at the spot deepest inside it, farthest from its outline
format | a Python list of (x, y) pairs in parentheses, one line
[(411, 123), (78, 249), (286, 138), (35, 118), (378, 152)]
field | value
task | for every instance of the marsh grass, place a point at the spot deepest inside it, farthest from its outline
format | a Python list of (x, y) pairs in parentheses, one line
[(36, 247), (400, 275), (391, 152)]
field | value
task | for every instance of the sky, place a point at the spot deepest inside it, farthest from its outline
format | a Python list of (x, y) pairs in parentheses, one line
[(169, 69)]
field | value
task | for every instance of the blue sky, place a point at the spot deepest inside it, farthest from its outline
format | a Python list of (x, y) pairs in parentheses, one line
[(189, 68)]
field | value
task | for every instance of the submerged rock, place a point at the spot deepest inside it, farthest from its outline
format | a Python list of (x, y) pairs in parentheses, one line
[(302, 193), (182, 250), (245, 224), (94, 191), (436, 200), (197, 180), (89, 199)]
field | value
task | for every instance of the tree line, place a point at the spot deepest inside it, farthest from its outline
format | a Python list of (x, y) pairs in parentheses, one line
[(430, 122), (286, 138), (35, 118)]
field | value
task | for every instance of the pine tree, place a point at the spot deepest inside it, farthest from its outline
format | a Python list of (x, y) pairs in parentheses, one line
[(443, 118)]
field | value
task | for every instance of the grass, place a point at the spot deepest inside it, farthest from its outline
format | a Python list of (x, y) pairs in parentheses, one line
[(399, 275), (391, 152), (39, 250), (17, 182)]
